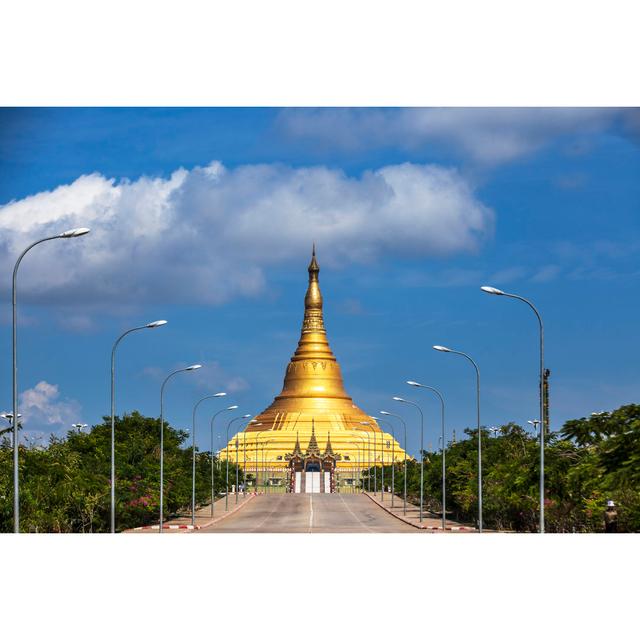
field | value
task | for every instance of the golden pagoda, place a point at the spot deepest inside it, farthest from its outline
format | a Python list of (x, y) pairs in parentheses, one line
[(312, 410)]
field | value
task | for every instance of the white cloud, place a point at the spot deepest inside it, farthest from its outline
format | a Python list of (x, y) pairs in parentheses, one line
[(573, 180), (351, 307), (508, 275), (546, 274), (212, 377), (206, 235), (42, 409), (484, 135), (76, 322), (453, 277)]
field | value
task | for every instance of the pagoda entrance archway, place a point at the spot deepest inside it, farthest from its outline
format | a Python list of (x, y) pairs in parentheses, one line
[(312, 482), (312, 472)]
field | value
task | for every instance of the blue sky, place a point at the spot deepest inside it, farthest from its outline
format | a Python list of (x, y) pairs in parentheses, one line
[(206, 217)]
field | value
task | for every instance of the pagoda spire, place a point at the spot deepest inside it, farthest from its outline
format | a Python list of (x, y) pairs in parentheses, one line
[(313, 371), (329, 449), (313, 448), (313, 319), (297, 450)]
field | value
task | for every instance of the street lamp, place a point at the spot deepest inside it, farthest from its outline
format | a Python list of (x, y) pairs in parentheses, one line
[(475, 366), (375, 467), (413, 383), (150, 325), (404, 424), (79, 426), (221, 394), (498, 292), (258, 434), (357, 446), (534, 424), (264, 446), (417, 406), (226, 493), (237, 469), (72, 233), (366, 433), (255, 423), (231, 408), (393, 451), (193, 367), (381, 462), (9, 418), (361, 479)]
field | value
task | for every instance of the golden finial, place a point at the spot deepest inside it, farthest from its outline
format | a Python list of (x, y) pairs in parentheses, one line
[(314, 269), (313, 320)]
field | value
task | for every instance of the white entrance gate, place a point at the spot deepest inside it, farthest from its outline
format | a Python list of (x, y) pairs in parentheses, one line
[(312, 482)]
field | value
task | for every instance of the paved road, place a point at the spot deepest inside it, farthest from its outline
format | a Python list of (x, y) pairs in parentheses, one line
[(310, 513)]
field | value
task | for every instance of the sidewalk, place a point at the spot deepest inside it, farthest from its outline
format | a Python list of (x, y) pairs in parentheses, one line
[(430, 521), (203, 519)]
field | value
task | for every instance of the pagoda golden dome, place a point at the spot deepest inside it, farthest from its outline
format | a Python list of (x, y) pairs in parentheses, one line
[(313, 399)]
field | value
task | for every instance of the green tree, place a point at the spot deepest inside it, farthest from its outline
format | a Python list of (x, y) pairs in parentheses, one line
[(588, 462), (65, 486)]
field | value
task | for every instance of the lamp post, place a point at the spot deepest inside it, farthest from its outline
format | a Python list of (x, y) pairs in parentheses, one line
[(357, 446), (366, 433), (244, 464), (381, 458), (72, 233), (375, 468), (9, 418), (475, 366), (413, 383), (534, 424), (417, 406), (193, 367), (382, 467), (226, 493), (222, 394), (257, 455), (404, 424), (150, 325), (264, 446), (213, 417), (393, 458), (362, 457), (237, 470), (498, 292)]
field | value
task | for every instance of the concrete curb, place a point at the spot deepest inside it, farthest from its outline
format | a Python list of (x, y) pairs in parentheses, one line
[(423, 527), (241, 504), (188, 528), (165, 526)]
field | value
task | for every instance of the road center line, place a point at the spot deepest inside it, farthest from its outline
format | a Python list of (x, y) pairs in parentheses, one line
[(310, 513)]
